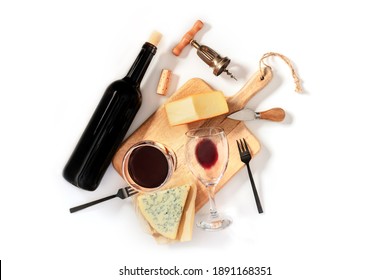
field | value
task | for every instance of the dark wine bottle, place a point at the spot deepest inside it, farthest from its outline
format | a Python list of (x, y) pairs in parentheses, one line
[(109, 124)]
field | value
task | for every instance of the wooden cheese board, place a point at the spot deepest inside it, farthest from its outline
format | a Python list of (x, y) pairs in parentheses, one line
[(157, 128)]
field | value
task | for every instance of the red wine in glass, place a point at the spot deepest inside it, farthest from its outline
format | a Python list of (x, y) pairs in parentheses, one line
[(148, 167), (206, 153)]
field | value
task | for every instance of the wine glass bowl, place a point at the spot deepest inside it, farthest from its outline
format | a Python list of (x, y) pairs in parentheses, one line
[(207, 156), (148, 165)]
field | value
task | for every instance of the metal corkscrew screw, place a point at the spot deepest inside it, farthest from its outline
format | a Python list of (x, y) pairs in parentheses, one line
[(212, 59)]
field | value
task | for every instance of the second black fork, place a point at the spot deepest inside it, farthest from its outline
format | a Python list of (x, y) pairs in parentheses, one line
[(245, 156)]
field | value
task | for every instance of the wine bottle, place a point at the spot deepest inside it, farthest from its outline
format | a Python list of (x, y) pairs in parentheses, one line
[(109, 123)]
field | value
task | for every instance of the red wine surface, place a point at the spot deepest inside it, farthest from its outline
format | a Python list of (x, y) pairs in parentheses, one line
[(206, 153), (148, 167)]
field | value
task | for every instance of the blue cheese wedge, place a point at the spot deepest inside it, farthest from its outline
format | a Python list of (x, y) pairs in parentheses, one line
[(163, 209)]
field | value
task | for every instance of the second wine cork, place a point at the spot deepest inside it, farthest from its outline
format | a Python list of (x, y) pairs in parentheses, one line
[(165, 80)]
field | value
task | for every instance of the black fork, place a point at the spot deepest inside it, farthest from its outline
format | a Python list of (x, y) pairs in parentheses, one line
[(122, 193), (245, 156)]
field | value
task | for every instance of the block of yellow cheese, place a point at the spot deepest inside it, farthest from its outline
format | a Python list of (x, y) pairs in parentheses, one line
[(196, 107)]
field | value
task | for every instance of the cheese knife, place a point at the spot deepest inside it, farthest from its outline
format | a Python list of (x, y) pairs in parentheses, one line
[(246, 114)]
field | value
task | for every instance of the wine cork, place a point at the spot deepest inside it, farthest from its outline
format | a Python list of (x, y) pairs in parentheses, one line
[(165, 80), (155, 38), (187, 38)]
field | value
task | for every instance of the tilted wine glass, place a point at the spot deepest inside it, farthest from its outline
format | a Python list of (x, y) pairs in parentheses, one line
[(207, 155)]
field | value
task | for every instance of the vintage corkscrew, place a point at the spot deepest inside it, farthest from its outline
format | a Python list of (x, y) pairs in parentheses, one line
[(212, 59), (207, 54)]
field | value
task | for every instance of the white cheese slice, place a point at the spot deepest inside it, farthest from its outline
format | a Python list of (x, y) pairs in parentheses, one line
[(163, 209)]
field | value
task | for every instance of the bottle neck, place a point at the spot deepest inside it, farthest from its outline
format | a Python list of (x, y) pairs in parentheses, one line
[(141, 63)]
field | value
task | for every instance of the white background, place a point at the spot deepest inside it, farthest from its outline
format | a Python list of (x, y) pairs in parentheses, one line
[(322, 174)]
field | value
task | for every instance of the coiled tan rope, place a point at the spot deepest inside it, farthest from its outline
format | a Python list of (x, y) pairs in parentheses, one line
[(263, 65)]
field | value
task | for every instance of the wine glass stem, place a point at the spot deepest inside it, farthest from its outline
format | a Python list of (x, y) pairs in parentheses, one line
[(213, 207)]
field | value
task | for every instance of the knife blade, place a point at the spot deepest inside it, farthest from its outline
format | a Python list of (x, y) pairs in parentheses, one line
[(246, 114)]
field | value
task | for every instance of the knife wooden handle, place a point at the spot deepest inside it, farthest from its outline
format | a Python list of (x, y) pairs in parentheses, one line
[(274, 114)]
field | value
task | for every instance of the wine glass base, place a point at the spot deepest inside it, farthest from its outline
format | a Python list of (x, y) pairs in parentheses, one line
[(210, 223)]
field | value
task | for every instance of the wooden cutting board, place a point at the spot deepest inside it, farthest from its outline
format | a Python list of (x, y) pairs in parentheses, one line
[(157, 128)]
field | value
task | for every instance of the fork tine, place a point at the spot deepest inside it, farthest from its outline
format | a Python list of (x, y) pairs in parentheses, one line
[(246, 146), (238, 145), (242, 146), (130, 191), (133, 192)]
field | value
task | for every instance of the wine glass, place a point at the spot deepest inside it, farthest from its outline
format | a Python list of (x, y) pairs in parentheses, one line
[(207, 154)]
